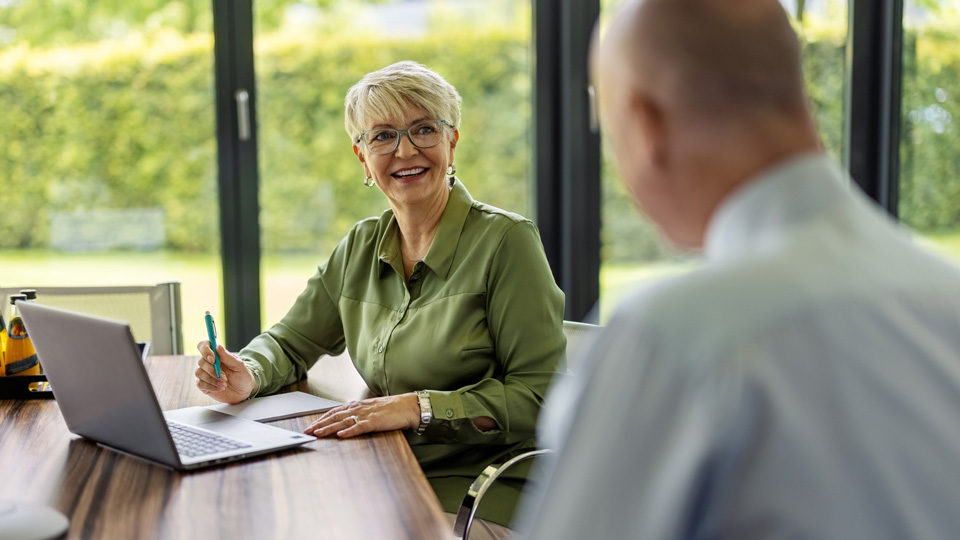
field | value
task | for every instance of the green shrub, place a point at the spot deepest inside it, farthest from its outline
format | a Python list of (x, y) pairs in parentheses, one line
[(131, 124), (929, 156)]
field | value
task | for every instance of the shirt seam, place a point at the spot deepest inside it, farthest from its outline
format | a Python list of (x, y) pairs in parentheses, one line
[(344, 296), (494, 211), (496, 253)]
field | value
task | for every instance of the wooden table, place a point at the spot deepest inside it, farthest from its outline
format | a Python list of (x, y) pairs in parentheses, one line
[(367, 487)]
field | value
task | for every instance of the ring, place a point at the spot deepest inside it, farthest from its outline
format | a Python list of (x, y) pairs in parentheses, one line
[(355, 419)]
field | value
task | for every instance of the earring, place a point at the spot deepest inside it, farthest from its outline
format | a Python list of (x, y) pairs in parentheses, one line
[(451, 170), (368, 181)]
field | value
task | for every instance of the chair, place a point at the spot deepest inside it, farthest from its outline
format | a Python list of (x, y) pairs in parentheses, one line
[(576, 333), (153, 311)]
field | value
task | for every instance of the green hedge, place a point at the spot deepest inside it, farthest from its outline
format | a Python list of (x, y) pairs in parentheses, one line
[(930, 157), (111, 125), (131, 125)]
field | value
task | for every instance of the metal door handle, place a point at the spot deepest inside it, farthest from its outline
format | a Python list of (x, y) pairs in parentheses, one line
[(594, 116), (243, 113)]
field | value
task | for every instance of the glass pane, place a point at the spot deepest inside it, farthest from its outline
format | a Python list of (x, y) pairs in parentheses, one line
[(308, 56), (108, 148), (929, 162), (632, 252)]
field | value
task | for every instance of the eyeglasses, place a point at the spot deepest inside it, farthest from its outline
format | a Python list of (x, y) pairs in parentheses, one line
[(383, 140)]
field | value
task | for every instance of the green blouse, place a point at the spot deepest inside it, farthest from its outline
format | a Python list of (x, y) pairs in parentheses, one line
[(479, 326)]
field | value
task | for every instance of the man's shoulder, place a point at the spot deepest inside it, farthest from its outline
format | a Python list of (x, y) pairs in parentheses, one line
[(762, 292), (709, 309)]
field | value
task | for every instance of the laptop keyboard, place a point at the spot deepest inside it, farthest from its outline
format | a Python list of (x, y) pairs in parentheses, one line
[(192, 443)]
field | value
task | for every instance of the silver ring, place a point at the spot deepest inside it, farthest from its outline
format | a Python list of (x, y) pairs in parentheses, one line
[(355, 419)]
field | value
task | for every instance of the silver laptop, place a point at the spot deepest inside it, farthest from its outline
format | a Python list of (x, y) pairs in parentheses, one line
[(104, 393)]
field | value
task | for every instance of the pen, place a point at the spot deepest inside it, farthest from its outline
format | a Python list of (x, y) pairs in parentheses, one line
[(212, 336)]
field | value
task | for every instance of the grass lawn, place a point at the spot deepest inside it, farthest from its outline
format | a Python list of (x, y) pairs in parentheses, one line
[(283, 276), (946, 244), (617, 280)]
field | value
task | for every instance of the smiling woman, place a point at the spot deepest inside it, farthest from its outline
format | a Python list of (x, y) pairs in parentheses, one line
[(447, 306), (391, 104)]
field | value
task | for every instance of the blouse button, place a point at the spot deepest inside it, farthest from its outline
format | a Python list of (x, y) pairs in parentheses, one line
[(449, 413), (380, 350)]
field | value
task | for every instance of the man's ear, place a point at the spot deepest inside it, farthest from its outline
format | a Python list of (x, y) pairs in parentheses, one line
[(651, 123)]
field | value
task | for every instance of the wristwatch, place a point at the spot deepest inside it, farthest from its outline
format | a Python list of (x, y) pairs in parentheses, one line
[(426, 411)]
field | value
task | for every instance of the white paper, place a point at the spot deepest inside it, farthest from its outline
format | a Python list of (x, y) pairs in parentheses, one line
[(277, 407)]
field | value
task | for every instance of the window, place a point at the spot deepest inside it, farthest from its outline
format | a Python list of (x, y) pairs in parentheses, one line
[(929, 200), (108, 148)]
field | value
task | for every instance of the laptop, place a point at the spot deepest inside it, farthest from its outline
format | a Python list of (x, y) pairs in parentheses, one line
[(104, 394)]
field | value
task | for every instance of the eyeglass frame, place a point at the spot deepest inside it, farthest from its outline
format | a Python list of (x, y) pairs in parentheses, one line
[(401, 133)]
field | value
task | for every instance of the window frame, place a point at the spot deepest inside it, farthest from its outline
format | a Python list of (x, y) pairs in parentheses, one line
[(566, 147)]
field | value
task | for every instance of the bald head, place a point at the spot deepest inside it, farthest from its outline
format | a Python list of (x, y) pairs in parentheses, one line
[(697, 97), (711, 57)]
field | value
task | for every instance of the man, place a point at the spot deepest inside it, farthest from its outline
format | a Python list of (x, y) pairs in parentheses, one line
[(806, 382)]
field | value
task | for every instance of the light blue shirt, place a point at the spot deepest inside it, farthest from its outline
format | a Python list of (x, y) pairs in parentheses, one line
[(804, 384)]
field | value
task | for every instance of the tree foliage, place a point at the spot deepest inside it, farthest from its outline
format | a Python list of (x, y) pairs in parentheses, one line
[(129, 123)]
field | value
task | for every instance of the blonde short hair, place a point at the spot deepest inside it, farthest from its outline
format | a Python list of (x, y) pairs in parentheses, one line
[(389, 92)]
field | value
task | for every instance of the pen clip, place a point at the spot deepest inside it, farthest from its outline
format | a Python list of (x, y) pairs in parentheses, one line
[(214, 323)]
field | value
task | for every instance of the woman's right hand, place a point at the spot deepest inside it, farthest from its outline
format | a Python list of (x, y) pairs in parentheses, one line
[(236, 381)]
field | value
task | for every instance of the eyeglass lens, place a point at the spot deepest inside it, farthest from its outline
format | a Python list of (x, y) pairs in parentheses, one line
[(386, 140)]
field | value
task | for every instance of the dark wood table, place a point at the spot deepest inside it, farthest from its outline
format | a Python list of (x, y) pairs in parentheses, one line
[(367, 487)]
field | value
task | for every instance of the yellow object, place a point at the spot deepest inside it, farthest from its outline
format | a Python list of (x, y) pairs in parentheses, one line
[(20, 358), (3, 345)]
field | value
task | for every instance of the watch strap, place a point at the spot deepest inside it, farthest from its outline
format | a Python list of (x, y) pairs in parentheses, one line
[(426, 411)]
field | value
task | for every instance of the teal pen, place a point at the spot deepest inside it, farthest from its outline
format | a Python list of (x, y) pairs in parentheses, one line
[(212, 336)]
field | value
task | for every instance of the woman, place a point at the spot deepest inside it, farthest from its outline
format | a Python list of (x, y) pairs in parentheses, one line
[(447, 306)]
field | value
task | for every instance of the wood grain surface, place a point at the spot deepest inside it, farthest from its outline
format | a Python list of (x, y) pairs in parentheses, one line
[(367, 487)]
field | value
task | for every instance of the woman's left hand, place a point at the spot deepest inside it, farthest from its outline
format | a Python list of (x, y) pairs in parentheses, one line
[(375, 414)]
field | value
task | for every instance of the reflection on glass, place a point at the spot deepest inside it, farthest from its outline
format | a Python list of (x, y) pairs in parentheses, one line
[(632, 252), (930, 130), (108, 149), (307, 56)]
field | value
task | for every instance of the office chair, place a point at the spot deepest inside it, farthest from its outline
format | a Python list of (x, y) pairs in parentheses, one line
[(153, 311), (576, 333)]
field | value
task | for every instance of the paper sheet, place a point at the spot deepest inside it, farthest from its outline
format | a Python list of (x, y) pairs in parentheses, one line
[(277, 407)]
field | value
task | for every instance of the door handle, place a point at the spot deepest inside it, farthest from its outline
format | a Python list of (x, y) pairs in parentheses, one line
[(242, 97)]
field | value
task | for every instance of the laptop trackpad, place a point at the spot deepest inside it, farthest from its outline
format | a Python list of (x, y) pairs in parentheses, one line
[(223, 424)]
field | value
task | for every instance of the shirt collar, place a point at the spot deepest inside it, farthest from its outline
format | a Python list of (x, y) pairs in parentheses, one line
[(782, 197), (445, 242)]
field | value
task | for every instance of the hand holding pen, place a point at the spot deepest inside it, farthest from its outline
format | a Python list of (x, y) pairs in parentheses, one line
[(234, 382)]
